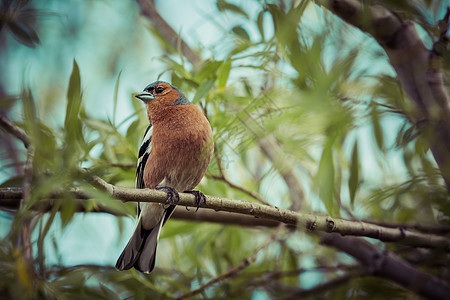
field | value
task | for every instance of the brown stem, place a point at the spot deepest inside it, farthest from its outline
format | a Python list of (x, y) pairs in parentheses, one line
[(419, 70), (148, 10), (235, 271), (321, 288), (310, 222), (387, 265)]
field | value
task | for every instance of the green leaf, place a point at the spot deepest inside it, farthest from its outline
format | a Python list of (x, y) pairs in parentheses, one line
[(203, 89), (325, 181), (29, 110), (260, 23), (208, 71), (72, 122), (378, 131), (103, 199), (116, 92), (67, 209), (177, 228), (241, 32), (353, 182), (223, 5), (224, 72), (24, 33)]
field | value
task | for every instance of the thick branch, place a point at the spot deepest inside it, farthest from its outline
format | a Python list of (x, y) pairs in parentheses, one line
[(418, 69), (273, 151), (148, 10), (387, 265), (302, 220), (14, 130)]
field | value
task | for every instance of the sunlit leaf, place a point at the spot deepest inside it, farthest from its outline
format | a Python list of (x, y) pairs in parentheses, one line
[(203, 89), (325, 181), (68, 208), (241, 32), (224, 5), (377, 129), (74, 138), (208, 71), (116, 92), (224, 72), (260, 23), (353, 182)]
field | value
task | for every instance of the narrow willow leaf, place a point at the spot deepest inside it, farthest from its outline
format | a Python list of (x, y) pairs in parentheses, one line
[(68, 208), (325, 181), (72, 122), (224, 72), (51, 216), (260, 23), (24, 33), (208, 71), (29, 110), (353, 182), (223, 5), (241, 32), (73, 94), (378, 131), (203, 89), (116, 92)]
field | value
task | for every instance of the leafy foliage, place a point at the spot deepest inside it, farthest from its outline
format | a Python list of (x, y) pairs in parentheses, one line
[(313, 88)]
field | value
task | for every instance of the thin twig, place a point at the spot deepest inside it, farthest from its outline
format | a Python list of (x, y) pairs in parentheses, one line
[(123, 166), (272, 276), (235, 271), (223, 178), (14, 130), (237, 187), (320, 288), (24, 242)]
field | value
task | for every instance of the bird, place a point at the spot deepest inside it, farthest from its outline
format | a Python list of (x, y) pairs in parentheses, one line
[(174, 154)]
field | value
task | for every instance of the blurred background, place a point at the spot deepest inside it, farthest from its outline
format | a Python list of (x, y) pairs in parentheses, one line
[(324, 90)]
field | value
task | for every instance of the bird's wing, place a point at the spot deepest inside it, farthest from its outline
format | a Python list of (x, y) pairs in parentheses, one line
[(144, 152)]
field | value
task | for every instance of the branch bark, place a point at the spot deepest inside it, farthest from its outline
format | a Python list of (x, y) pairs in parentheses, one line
[(387, 265), (419, 71), (148, 10), (310, 222)]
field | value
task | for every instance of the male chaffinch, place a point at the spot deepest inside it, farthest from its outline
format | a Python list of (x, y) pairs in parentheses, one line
[(174, 154)]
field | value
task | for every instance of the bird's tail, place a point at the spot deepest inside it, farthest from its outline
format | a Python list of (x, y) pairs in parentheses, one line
[(140, 252)]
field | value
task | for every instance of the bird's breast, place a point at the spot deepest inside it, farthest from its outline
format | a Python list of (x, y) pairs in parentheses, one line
[(181, 150)]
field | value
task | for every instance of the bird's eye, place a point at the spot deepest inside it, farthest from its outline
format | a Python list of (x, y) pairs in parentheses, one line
[(159, 90)]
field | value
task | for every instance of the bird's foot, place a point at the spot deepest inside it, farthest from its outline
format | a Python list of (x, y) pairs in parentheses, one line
[(172, 194), (199, 197)]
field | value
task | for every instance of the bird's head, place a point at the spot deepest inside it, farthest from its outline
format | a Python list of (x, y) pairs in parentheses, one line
[(160, 93)]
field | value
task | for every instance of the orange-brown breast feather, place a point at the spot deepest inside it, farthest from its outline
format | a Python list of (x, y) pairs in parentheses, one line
[(182, 147)]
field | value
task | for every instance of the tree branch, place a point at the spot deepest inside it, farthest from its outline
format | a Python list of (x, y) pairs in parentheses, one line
[(419, 70), (270, 277), (310, 222), (15, 131), (235, 271), (386, 264), (148, 10), (236, 187), (321, 288)]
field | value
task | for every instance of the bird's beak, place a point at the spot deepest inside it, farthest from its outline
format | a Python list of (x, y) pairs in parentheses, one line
[(145, 96)]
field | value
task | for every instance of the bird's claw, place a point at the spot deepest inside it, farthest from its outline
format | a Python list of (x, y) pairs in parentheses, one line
[(199, 197), (172, 194)]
